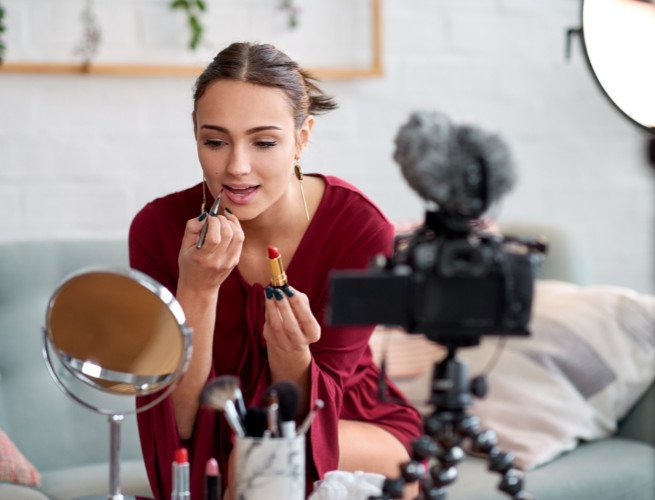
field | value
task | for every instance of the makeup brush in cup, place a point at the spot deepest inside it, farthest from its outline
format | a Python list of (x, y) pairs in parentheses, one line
[(221, 393), (272, 413), (304, 427), (256, 421), (288, 398)]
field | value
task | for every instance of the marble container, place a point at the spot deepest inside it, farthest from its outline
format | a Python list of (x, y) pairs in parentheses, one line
[(270, 468)]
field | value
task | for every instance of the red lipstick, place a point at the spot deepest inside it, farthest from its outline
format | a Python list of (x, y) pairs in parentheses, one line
[(278, 276), (181, 475)]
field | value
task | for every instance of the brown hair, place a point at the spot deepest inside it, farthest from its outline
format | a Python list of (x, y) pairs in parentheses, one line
[(263, 64)]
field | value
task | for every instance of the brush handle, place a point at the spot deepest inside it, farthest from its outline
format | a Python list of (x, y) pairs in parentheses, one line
[(213, 212)]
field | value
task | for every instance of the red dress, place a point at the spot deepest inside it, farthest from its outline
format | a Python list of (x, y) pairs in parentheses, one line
[(346, 231)]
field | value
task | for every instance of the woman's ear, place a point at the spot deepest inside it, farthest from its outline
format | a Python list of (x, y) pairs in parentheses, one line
[(195, 127), (304, 133)]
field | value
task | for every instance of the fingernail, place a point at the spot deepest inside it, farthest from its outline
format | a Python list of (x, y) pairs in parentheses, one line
[(228, 211), (278, 294), (287, 290), (202, 216), (269, 292)]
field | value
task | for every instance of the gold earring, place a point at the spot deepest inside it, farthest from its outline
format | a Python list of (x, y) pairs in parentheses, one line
[(299, 176), (204, 196)]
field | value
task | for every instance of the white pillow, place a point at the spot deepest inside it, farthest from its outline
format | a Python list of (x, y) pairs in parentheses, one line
[(590, 357)]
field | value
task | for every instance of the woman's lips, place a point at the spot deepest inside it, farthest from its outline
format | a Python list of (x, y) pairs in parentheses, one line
[(240, 195)]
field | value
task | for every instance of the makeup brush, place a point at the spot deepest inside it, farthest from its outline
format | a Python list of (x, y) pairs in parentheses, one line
[(256, 421), (304, 427), (272, 413), (231, 384), (213, 212), (288, 396), (220, 394)]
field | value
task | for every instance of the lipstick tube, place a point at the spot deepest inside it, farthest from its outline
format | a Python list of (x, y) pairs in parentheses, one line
[(181, 476), (278, 276), (212, 480)]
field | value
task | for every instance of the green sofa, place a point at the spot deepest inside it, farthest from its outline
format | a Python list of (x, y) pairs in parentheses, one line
[(68, 444)]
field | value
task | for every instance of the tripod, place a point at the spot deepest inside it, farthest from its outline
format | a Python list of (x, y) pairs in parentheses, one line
[(445, 430)]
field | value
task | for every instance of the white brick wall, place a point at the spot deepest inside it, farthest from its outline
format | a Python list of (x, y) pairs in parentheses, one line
[(79, 155)]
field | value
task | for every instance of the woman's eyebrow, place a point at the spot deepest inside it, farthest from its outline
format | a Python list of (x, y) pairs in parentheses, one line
[(262, 128), (253, 130)]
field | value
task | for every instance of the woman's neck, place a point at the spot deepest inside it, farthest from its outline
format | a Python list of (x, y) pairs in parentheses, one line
[(284, 219)]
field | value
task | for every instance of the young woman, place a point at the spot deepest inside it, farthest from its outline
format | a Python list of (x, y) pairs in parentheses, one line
[(253, 116)]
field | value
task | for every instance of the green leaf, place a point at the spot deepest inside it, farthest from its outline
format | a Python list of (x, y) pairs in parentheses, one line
[(201, 5), (179, 4), (195, 24), (195, 40)]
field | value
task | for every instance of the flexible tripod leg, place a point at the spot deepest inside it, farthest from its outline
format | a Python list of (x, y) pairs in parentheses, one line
[(501, 462), (445, 431)]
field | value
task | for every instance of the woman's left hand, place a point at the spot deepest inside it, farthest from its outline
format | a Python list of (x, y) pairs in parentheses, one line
[(290, 325)]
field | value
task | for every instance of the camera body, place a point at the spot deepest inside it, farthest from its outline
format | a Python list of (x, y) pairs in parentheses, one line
[(445, 280)]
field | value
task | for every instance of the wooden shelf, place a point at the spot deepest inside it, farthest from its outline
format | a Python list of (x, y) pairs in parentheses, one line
[(124, 69)]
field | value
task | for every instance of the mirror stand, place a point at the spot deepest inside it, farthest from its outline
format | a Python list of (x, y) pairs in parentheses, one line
[(115, 422), (122, 334)]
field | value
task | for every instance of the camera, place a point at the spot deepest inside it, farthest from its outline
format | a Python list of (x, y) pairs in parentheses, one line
[(447, 279)]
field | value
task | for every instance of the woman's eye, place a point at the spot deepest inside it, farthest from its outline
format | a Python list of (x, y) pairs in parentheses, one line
[(214, 143), (265, 144)]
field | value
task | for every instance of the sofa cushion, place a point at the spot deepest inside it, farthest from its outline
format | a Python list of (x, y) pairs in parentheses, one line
[(589, 359), (92, 480), (71, 434), (16, 492), (14, 467), (608, 469)]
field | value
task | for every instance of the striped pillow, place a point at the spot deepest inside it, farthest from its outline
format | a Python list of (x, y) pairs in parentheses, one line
[(590, 357), (14, 467)]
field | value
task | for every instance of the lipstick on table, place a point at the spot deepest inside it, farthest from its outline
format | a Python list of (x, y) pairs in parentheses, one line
[(212, 480), (181, 476), (278, 276)]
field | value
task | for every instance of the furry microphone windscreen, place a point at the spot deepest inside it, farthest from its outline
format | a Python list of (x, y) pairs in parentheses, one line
[(463, 169)]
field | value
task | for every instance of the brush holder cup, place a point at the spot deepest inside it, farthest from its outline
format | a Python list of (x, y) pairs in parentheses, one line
[(270, 468)]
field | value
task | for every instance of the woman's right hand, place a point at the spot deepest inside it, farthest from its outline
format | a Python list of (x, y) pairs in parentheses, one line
[(205, 269), (202, 271)]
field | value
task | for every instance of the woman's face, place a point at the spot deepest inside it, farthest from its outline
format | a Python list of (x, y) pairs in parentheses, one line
[(247, 143)]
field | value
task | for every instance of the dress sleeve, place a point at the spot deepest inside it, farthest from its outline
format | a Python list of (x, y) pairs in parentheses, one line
[(154, 246), (147, 251), (157, 426), (336, 356)]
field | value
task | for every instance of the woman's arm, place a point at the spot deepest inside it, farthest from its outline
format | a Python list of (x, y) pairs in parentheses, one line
[(289, 329), (202, 271)]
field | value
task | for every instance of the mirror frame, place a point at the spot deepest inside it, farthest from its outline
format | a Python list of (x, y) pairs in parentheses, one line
[(597, 80), (87, 372)]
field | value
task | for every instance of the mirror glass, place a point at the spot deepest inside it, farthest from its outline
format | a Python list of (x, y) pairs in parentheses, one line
[(119, 331), (619, 40)]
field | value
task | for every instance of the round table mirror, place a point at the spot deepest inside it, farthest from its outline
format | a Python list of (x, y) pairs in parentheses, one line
[(120, 333), (619, 43)]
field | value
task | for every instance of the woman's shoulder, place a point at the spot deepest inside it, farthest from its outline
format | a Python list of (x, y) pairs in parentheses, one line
[(341, 195)]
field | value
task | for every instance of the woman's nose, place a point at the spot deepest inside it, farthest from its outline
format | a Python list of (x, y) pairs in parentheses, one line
[(239, 163)]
